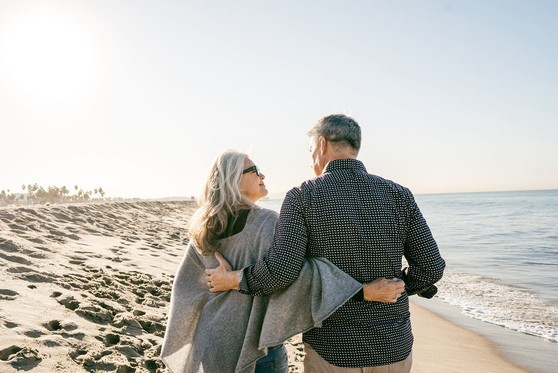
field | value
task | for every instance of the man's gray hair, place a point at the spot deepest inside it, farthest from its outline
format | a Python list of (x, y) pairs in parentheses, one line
[(338, 128)]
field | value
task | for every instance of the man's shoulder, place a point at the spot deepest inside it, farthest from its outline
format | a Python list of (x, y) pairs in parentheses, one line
[(390, 184), (305, 188), (378, 181)]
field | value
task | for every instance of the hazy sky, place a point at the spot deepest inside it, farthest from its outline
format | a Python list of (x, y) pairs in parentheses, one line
[(138, 97)]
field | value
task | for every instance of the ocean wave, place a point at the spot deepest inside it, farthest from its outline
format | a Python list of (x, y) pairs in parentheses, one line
[(508, 306)]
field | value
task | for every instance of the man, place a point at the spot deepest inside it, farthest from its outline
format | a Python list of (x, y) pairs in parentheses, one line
[(363, 224)]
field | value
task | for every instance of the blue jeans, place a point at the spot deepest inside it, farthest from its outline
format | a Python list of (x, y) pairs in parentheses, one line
[(275, 361)]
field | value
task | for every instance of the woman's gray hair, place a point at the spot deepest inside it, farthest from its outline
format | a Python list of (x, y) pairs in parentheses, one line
[(220, 199), (339, 129)]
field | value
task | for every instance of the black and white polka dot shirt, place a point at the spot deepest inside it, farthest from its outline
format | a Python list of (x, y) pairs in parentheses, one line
[(365, 225)]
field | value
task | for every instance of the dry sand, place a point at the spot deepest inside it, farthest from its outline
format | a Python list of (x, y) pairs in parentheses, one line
[(86, 288)]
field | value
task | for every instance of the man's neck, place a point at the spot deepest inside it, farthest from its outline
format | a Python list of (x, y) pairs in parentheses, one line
[(337, 158), (341, 155)]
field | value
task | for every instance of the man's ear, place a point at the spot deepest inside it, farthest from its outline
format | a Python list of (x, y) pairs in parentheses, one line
[(322, 144)]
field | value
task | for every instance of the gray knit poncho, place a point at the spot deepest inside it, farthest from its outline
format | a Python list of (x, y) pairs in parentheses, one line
[(227, 332)]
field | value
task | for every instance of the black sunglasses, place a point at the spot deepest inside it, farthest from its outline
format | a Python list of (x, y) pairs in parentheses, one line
[(253, 168)]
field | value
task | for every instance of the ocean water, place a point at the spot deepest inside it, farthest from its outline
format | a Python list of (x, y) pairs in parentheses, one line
[(501, 250)]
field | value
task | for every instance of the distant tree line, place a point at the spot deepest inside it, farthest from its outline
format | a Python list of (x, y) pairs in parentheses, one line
[(34, 193)]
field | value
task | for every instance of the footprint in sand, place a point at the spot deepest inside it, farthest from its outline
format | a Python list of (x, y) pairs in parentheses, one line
[(36, 254), (130, 238), (138, 313), (33, 333), (109, 339), (56, 238), (23, 358), (79, 336), (53, 325), (9, 352), (127, 324), (95, 314), (15, 259), (10, 325), (35, 240), (38, 277), (18, 228), (153, 327), (61, 217), (69, 302), (77, 261), (78, 352), (19, 270), (43, 248), (8, 246), (7, 294), (6, 216)]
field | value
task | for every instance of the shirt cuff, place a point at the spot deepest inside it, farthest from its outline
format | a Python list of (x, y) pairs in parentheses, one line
[(359, 297), (243, 284)]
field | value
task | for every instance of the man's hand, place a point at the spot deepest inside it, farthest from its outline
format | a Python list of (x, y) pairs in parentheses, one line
[(222, 278), (386, 290)]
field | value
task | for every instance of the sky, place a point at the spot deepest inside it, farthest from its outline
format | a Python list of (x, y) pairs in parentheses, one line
[(139, 97)]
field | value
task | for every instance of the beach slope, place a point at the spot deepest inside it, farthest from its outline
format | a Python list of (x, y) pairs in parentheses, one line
[(86, 287)]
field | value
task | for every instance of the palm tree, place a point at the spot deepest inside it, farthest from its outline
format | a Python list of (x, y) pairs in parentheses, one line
[(64, 192), (10, 197)]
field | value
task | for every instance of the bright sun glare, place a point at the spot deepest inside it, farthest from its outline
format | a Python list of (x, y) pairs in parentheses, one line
[(49, 58)]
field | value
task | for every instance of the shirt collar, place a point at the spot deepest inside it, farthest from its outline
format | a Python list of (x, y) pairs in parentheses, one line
[(348, 163)]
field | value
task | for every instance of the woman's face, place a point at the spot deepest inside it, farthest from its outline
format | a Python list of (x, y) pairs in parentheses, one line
[(252, 184)]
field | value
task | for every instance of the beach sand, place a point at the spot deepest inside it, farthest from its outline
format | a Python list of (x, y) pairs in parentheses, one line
[(443, 347), (86, 287)]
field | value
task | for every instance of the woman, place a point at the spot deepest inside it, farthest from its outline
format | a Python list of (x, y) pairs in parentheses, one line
[(230, 331)]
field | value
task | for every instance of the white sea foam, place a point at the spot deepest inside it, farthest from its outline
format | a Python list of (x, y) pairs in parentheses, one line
[(499, 304)]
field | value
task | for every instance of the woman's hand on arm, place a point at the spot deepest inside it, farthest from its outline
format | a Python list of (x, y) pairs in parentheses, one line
[(222, 278)]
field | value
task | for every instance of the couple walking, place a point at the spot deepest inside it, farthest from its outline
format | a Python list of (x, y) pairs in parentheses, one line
[(329, 266)]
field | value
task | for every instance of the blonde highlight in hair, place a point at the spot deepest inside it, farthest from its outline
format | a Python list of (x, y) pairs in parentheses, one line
[(220, 199)]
